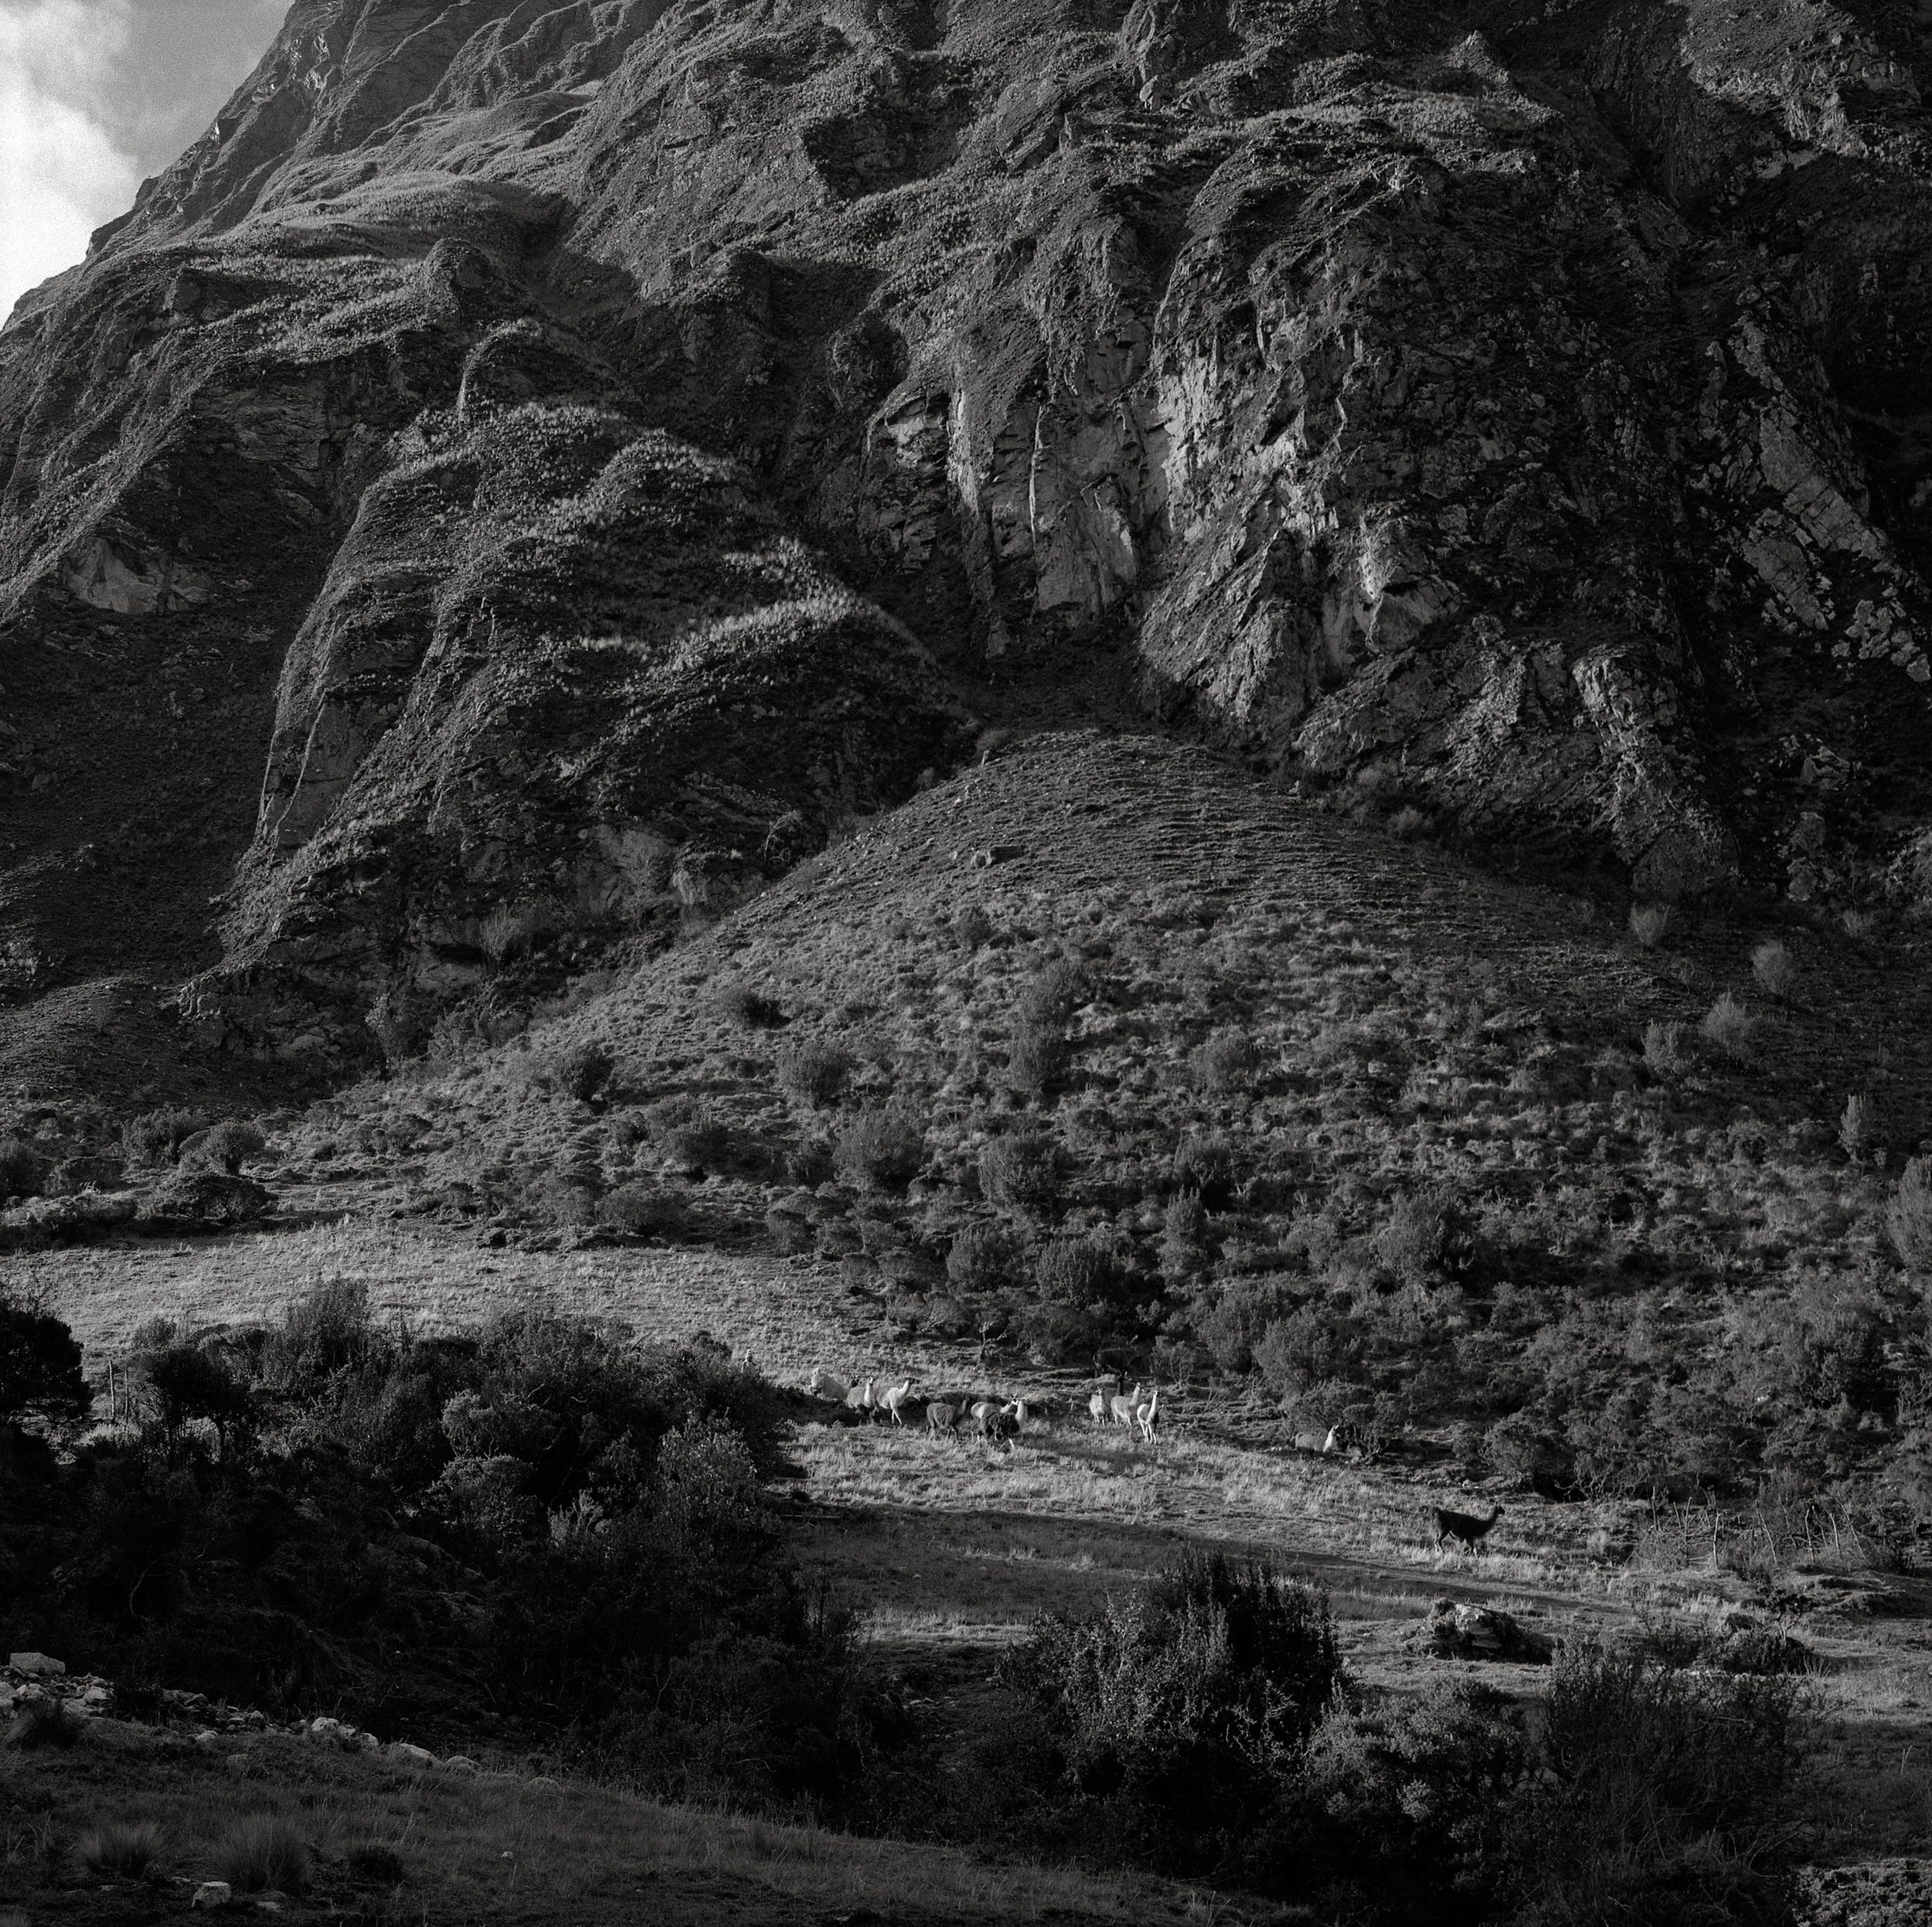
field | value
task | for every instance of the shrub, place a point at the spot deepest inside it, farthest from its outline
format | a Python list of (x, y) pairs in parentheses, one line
[(1409, 1242), (1053, 994), (1304, 1349), (262, 1853), (557, 1198), (1909, 1217), (39, 1362), (642, 1210), (1076, 1271), (984, 1258), (1662, 1793), (699, 1143), (1037, 1058), (1187, 1703), (381, 1866), (22, 1169), (1668, 1052), (1727, 1027), (814, 1073), (585, 1070), (750, 1009), (1020, 1171), (1649, 922), (1226, 1063), (1206, 1164), (880, 1150), (789, 1231), (1771, 965), (327, 1330), (122, 1851), (154, 1137), (972, 928), (1184, 1247), (1408, 822), (228, 1145)]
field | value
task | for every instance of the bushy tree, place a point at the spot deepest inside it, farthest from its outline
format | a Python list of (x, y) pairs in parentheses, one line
[(39, 1362)]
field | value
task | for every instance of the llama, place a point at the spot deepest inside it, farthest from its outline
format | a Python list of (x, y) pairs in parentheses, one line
[(1460, 1525), (860, 1400), (1123, 1406), (824, 1385), (1148, 1416), (893, 1397), (1315, 1441), (942, 1418)]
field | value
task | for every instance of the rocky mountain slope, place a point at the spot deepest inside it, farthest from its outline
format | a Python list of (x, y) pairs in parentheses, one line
[(532, 472)]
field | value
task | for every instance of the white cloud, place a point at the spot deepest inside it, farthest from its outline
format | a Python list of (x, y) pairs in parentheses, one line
[(62, 170), (95, 95)]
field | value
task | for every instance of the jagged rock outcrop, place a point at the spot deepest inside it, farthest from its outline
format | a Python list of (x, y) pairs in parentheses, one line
[(578, 439)]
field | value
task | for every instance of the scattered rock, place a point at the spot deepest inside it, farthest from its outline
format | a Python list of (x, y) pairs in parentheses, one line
[(36, 1665), (401, 1752), (213, 1893), (460, 1763)]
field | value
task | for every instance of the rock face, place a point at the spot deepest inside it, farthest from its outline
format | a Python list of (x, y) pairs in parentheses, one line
[(543, 462)]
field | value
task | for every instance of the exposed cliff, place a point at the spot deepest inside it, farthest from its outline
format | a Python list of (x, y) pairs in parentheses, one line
[(581, 440)]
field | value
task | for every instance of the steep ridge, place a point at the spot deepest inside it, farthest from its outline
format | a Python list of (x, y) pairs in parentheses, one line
[(1518, 413)]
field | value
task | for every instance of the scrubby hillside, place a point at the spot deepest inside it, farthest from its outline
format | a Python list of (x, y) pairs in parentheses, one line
[(1520, 411)]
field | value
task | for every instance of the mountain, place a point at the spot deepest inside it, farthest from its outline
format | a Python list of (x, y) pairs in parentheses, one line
[(531, 473)]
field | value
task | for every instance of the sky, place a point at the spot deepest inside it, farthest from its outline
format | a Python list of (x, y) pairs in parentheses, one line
[(95, 95)]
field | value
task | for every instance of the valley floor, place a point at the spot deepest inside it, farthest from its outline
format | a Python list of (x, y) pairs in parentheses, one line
[(950, 1549)]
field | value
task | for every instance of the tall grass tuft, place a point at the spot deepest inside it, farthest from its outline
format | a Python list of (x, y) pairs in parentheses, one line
[(119, 1851), (262, 1852)]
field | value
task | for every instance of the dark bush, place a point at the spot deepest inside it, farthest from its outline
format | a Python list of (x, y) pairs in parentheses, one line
[(327, 1331), (1076, 1271), (39, 1362), (643, 1210), (739, 1003), (1663, 1795), (585, 1070), (1226, 1063), (814, 1073), (985, 1258), (1037, 1059), (699, 1143), (1306, 1348), (880, 1150), (264, 1853), (22, 1169), (1020, 1171), (1186, 1704), (154, 1137), (1205, 1164), (1053, 994), (228, 1145), (184, 1383)]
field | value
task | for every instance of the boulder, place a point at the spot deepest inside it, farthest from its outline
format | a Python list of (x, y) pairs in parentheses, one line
[(405, 1755), (36, 1665), (213, 1893), (1457, 1630)]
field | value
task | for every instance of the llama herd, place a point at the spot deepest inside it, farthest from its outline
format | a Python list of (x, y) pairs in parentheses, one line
[(951, 1414)]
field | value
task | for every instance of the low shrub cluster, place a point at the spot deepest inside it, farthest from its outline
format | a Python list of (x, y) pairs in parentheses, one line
[(1208, 1728), (544, 1518)]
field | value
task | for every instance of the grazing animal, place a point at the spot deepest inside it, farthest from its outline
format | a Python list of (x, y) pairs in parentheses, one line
[(825, 1386), (1459, 1525), (983, 1411), (860, 1399), (941, 1417), (1148, 1416), (1315, 1441), (1098, 1406), (1125, 1405), (1006, 1423), (893, 1397)]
